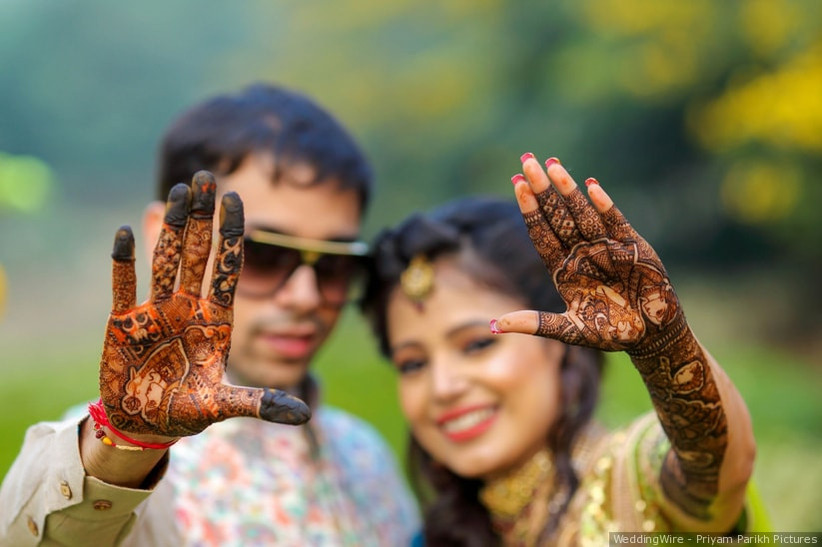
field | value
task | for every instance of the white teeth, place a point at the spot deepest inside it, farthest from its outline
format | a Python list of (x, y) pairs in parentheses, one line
[(467, 421)]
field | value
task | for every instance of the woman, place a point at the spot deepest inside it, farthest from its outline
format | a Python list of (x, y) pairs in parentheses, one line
[(503, 448)]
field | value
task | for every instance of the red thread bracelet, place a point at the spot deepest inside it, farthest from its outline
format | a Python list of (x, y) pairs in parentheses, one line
[(98, 414)]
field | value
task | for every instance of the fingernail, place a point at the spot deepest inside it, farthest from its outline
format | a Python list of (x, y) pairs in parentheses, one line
[(517, 178), (494, 327), (526, 156), (591, 180), (551, 161)]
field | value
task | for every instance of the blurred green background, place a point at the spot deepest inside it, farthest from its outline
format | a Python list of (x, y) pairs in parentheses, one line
[(703, 120)]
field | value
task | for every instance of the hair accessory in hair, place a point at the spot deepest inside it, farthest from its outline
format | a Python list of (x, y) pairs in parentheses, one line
[(417, 280)]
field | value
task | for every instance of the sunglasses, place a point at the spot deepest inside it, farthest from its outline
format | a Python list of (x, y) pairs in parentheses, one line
[(271, 258)]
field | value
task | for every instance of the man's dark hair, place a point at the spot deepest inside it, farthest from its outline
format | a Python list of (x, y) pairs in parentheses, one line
[(219, 133)]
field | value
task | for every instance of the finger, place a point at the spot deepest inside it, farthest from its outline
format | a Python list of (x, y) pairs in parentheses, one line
[(615, 222), (123, 277), (574, 219), (545, 241), (229, 259), (272, 405), (536, 176), (548, 325), (551, 204), (601, 200), (197, 239), (560, 178), (586, 217), (167, 251), (278, 406)]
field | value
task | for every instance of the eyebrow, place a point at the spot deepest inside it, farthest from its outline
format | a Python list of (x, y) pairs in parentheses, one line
[(450, 333)]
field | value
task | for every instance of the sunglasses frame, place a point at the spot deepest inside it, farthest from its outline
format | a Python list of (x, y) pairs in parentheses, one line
[(311, 250), (308, 246)]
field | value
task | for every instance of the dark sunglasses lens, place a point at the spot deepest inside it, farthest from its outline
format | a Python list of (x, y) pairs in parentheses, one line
[(265, 267), (339, 276)]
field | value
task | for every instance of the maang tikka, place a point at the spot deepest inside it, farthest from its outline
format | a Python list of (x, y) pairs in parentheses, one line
[(417, 281)]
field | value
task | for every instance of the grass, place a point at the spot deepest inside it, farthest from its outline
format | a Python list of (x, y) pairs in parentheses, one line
[(41, 382)]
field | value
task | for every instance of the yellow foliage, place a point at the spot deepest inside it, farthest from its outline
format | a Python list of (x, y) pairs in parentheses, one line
[(635, 17), (662, 66), (782, 108), (768, 24), (654, 46), (759, 192)]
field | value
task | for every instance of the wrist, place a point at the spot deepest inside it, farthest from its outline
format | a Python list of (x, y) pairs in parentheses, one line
[(146, 438), (129, 468), (121, 440), (662, 341)]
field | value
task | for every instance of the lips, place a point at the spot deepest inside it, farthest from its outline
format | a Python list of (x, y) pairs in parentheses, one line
[(464, 424), (290, 344)]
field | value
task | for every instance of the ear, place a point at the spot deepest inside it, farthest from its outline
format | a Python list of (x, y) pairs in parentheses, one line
[(153, 218)]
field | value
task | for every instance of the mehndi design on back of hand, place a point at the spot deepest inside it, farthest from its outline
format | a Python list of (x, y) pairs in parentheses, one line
[(163, 361), (619, 297)]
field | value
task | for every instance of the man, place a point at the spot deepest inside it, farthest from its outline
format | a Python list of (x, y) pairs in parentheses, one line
[(295, 183)]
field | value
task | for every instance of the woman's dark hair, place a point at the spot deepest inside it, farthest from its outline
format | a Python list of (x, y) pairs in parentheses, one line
[(489, 239), (219, 133)]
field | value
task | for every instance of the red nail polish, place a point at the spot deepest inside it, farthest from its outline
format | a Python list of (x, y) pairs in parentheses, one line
[(591, 180), (526, 156), (517, 178), (551, 161), (494, 328)]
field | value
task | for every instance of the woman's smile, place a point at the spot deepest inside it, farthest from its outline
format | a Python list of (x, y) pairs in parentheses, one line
[(464, 424)]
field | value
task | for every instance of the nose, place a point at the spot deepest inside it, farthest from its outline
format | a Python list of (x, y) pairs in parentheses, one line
[(448, 382), (300, 292)]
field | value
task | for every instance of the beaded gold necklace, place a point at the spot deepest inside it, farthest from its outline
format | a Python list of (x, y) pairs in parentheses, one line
[(521, 502)]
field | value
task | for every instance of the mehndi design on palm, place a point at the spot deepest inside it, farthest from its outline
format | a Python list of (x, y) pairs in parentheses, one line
[(616, 289), (619, 297), (163, 361)]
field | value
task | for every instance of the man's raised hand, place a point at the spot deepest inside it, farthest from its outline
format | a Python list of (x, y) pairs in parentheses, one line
[(163, 361)]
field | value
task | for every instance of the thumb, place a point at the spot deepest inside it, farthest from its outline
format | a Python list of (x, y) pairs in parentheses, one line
[(271, 405), (540, 323)]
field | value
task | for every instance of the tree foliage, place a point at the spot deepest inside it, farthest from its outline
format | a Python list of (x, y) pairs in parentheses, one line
[(702, 118)]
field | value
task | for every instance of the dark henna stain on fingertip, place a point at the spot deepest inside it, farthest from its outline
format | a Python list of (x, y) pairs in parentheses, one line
[(203, 189), (123, 244), (177, 205), (232, 217), (204, 178), (279, 406)]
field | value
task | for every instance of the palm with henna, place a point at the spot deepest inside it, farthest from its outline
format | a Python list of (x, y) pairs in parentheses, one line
[(619, 298), (163, 361), (618, 294)]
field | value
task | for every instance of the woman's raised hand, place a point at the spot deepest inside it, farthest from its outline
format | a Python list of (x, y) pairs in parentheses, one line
[(616, 289), (163, 361)]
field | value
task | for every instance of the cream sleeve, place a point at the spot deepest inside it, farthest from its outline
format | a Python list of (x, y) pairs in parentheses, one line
[(47, 499)]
